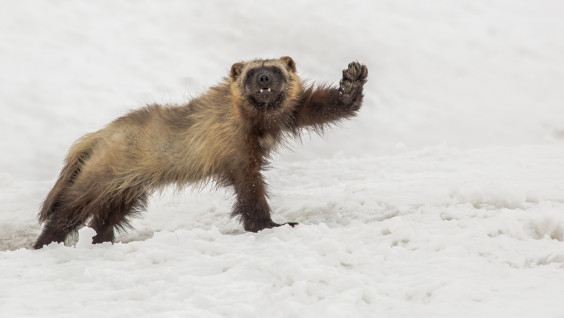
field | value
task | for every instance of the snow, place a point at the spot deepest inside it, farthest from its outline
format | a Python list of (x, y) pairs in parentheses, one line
[(443, 198)]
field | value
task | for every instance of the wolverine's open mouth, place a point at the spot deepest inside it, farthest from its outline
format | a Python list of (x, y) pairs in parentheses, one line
[(266, 97)]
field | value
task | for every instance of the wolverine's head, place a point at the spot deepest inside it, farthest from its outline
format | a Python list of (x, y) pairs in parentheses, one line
[(265, 84)]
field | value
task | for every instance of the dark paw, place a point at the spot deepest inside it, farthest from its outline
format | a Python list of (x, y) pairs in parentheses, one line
[(354, 78), (255, 226), (268, 225)]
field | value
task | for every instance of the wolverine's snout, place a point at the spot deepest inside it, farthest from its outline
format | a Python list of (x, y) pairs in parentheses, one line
[(265, 85)]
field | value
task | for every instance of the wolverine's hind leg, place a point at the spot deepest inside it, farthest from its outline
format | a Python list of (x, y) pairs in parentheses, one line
[(104, 230), (49, 234), (114, 213), (58, 226), (76, 203)]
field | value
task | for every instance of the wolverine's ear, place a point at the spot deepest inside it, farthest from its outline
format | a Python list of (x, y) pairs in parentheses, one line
[(291, 64), (236, 70)]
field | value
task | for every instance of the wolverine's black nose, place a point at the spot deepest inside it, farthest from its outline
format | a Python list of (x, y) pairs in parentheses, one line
[(263, 79)]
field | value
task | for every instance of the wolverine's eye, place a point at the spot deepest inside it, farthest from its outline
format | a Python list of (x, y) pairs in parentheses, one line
[(250, 75), (276, 71)]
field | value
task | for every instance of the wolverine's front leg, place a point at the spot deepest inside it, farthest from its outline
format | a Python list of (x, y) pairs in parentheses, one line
[(320, 105), (251, 206)]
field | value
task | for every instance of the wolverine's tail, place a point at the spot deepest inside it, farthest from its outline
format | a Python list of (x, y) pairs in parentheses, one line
[(78, 155)]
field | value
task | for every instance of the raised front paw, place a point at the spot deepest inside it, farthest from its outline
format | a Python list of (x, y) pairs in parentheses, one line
[(350, 88)]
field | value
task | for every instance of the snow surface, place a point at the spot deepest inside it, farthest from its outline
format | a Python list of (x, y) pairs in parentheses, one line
[(443, 198)]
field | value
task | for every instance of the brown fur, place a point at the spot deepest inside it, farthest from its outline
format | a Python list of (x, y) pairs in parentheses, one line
[(225, 135)]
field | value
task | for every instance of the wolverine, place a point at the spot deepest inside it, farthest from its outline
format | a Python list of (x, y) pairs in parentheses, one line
[(226, 135)]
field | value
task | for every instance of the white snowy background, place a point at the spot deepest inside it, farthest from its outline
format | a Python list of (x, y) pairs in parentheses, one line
[(443, 198)]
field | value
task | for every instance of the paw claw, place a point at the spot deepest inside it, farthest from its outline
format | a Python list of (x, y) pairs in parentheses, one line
[(363, 72), (355, 71)]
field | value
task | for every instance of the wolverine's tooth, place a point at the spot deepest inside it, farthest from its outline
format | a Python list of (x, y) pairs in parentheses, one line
[(261, 90)]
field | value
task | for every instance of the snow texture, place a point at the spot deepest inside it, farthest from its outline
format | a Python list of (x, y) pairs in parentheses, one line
[(443, 198)]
